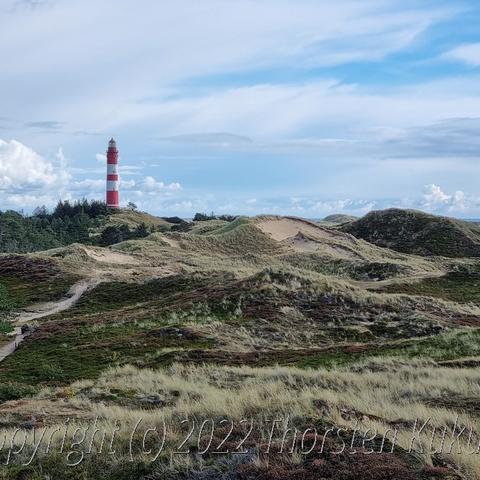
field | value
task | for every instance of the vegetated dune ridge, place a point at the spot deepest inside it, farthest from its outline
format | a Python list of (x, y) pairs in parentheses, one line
[(196, 322), (411, 231), (339, 218), (303, 235), (133, 218)]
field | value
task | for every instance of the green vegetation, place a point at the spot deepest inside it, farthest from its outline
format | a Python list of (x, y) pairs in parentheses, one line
[(67, 223), (116, 295), (14, 391), (65, 352), (7, 304), (384, 396), (120, 233), (452, 345), (25, 281), (354, 269), (96, 467), (5, 327), (133, 218), (339, 218), (232, 225), (24, 292), (70, 347), (455, 286), (203, 217), (414, 232), (82, 222), (243, 318)]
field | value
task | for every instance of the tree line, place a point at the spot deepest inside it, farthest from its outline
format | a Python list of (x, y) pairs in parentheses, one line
[(67, 223)]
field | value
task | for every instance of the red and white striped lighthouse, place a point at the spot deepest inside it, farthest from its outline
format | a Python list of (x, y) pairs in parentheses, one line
[(112, 175)]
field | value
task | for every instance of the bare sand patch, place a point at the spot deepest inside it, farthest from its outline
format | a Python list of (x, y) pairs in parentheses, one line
[(281, 228), (306, 237), (106, 255)]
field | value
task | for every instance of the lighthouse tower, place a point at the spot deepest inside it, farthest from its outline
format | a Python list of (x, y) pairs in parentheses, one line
[(112, 175)]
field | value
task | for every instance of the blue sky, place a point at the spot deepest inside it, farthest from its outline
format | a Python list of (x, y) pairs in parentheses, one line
[(303, 107)]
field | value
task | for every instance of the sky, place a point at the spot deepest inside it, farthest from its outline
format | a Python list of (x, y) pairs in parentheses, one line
[(295, 107)]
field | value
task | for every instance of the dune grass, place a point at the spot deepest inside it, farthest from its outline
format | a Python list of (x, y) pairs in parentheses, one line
[(377, 396), (455, 286)]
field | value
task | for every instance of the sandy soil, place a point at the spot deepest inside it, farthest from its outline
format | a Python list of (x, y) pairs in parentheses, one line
[(301, 243), (171, 241), (303, 236), (283, 228), (106, 255)]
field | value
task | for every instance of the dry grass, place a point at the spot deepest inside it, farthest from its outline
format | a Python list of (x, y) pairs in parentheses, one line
[(247, 247), (133, 219), (378, 395)]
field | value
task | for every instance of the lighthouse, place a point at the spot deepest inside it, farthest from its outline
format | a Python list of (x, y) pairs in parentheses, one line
[(112, 175)]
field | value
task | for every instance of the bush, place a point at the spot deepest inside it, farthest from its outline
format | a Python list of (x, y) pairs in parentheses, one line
[(14, 391), (5, 326), (175, 220), (119, 233), (7, 305), (203, 217)]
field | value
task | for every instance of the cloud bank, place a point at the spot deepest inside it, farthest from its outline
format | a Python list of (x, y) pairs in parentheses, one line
[(347, 105)]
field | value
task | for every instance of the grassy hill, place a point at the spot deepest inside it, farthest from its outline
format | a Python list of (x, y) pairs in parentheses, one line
[(257, 318), (79, 222), (134, 218), (419, 233), (339, 218)]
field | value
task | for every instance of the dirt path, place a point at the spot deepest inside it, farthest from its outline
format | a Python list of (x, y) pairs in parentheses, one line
[(42, 310)]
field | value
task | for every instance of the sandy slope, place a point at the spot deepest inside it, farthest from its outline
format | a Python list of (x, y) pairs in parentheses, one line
[(106, 255), (307, 237), (281, 228)]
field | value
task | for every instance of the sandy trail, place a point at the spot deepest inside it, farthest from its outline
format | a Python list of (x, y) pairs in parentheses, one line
[(42, 310)]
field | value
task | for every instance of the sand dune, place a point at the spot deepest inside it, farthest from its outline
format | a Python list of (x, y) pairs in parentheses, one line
[(304, 236)]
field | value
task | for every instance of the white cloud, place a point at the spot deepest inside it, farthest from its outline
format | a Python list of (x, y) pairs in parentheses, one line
[(21, 167), (26, 201), (149, 185), (435, 197), (468, 53), (346, 138), (354, 207), (153, 186), (437, 201), (240, 36), (27, 180), (288, 110), (127, 184), (90, 185), (213, 139)]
